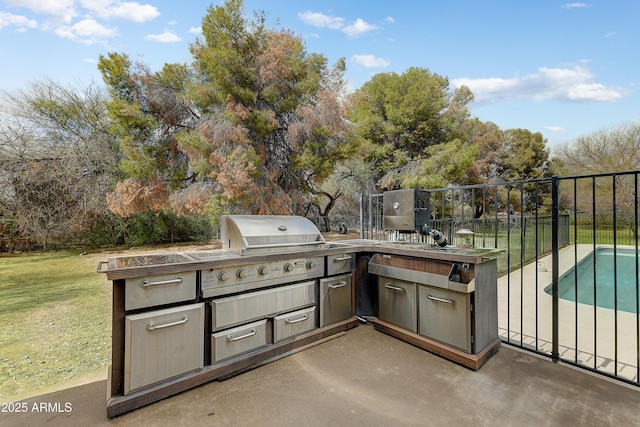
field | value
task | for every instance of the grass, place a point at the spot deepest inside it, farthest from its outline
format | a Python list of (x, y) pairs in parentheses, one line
[(55, 317)]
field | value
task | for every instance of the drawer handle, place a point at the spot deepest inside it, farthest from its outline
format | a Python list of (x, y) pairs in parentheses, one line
[(447, 301), (341, 284), (153, 327), (342, 258), (301, 319), (146, 283), (395, 288), (241, 337)]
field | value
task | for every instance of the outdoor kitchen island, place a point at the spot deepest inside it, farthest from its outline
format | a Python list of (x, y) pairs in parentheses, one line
[(183, 319)]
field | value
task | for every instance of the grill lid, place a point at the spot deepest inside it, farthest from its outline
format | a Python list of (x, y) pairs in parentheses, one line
[(254, 234)]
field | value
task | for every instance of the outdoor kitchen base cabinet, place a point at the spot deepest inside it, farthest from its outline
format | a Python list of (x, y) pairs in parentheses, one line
[(447, 308), (445, 316), (162, 344), (335, 299)]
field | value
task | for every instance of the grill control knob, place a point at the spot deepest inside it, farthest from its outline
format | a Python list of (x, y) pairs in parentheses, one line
[(311, 264), (288, 267), (241, 273), (263, 271), (223, 276)]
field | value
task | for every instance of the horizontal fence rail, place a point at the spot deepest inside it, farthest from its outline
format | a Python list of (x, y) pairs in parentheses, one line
[(568, 286)]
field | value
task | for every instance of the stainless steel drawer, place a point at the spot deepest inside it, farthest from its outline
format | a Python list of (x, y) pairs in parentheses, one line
[(445, 316), (239, 309), (149, 291), (291, 324), (397, 302), (335, 299), (232, 342), (162, 344), (341, 263)]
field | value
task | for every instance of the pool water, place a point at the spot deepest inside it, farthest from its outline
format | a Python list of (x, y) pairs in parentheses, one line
[(604, 289)]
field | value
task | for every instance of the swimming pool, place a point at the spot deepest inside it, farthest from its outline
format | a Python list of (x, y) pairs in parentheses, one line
[(604, 289)]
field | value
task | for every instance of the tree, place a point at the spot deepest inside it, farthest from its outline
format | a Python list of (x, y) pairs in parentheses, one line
[(253, 126), (400, 117), (272, 127), (147, 110), (523, 155), (57, 158), (605, 151)]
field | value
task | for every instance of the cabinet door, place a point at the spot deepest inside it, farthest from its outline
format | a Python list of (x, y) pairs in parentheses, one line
[(162, 344), (238, 340), (397, 302), (149, 291), (239, 309), (335, 299), (291, 324), (338, 264), (445, 316)]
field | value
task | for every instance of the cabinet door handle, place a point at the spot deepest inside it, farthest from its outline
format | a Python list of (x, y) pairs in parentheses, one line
[(146, 283), (301, 319), (342, 258), (153, 327), (447, 301), (341, 284), (395, 288), (241, 337)]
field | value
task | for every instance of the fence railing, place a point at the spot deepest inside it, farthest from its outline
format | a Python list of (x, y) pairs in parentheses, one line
[(568, 285)]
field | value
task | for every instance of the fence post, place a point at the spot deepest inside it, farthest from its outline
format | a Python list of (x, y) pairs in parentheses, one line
[(555, 260)]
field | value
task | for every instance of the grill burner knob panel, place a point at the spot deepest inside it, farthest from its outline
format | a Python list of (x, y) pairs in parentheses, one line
[(241, 273), (288, 267), (263, 270), (223, 276)]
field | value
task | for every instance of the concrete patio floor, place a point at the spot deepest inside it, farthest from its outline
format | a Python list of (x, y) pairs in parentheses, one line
[(366, 378)]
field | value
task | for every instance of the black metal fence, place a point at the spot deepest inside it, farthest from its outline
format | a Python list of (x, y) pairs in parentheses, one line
[(568, 284)]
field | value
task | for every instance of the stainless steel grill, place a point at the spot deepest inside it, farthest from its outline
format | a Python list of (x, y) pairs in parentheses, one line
[(251, 234)]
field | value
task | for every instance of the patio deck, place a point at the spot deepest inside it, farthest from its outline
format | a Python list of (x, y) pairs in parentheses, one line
[(364, 377)]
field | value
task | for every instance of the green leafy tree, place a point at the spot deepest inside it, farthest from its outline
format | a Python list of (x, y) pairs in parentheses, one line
[(147, 111), (272, 127), (523, 155), (400, 117), (254, 125)]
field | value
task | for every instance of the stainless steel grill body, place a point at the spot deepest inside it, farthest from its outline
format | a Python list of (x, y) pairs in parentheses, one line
[(264, 234)]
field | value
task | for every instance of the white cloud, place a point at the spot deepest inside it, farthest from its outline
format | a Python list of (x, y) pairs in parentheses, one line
[(358, 27), (87, 31), (59, 16), (58, 11), (195, 30), (320, 20), (390, 20), (561, 84), (166, 37), (555, 128), (370, 61), (131, 11), (574, 5), (22, 23)]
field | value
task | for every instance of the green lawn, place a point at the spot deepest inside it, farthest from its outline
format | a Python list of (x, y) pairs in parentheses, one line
[(55, 317)]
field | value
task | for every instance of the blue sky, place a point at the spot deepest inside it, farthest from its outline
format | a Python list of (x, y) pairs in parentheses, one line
[(565, 69)]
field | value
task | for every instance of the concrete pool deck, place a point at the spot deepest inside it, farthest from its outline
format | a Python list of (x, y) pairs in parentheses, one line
[(593, 345), (366, 378)]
